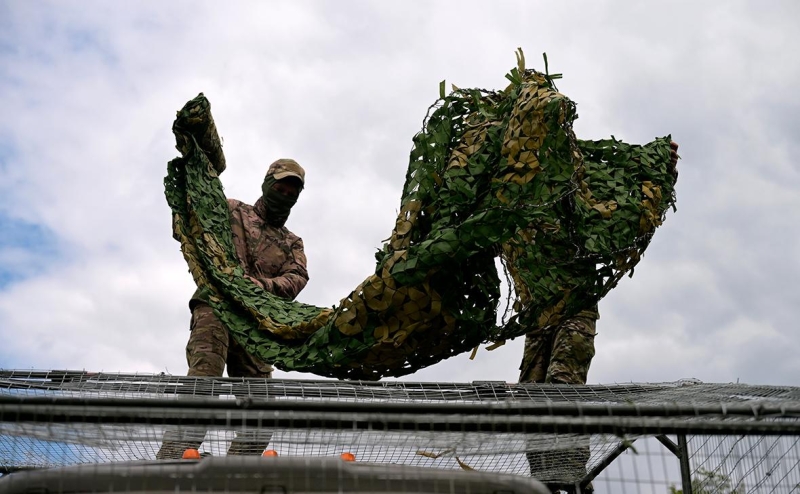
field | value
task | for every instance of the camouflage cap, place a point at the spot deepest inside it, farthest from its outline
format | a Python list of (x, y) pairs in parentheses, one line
[(283, 168)]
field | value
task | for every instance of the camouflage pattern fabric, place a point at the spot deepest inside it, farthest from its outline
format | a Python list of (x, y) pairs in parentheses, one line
[(552, 467), (251, 442), (244, 443), (285, 168), (175, 442), (560, 354), (491, 173), (210, 348), (273, 258)]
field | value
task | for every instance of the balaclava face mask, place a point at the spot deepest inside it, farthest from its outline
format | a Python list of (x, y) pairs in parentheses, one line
[(278, 205)]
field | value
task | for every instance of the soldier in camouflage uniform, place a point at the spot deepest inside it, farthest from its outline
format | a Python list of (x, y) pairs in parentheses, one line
[(562, 354), (273, 258)]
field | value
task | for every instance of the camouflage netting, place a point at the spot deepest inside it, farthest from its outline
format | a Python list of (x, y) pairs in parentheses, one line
[(492, 174)]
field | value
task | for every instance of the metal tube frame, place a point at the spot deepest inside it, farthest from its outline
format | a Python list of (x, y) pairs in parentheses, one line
[(681, 451)]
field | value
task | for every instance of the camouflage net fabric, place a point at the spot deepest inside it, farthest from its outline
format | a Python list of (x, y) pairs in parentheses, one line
[(492, 174)]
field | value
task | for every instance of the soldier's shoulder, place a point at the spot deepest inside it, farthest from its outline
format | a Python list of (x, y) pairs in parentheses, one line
[(237, 205), (291, 237)]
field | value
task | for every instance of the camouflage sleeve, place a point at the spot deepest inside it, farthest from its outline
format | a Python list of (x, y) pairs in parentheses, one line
[(237, 227), (293, 277)]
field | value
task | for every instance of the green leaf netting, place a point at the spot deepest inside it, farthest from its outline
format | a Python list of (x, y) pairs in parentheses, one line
[(491, 174)]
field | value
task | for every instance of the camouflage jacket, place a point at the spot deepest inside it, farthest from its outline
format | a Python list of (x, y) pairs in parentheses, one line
[(271, 257)]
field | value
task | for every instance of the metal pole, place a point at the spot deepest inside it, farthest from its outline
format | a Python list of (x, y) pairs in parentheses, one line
[(686, 477)]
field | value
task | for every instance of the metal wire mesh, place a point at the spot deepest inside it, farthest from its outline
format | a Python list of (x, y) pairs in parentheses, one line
[(742, 463), (162, 386), (738, 436)]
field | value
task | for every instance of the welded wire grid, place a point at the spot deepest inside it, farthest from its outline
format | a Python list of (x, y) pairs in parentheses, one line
[(34, 446), (561, 454), (117, 385)]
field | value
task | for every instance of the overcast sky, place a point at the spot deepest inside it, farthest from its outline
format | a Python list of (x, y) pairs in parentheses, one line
[(90, 277)]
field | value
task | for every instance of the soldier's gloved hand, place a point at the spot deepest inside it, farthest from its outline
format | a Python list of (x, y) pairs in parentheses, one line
[(673, 158), (266, 284), (260, 283)]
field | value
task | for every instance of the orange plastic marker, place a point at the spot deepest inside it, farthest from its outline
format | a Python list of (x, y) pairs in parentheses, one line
[(191, 454), (269, 452), (348, 456)]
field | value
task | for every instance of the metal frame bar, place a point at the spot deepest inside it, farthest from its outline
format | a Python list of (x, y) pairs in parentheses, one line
[(608, 460), (227, 414), (681, 450), (567, 410), (671, 446), (686, 475), (8, 470)]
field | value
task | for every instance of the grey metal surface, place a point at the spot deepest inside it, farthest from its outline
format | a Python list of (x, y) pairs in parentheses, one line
[(263, 475)]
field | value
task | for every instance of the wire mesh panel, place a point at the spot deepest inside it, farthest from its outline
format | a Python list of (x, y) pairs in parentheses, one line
[(742, 463), (735, 437)]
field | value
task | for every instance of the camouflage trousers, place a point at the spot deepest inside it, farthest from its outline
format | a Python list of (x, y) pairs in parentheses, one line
[(560, 355), (209, 349)]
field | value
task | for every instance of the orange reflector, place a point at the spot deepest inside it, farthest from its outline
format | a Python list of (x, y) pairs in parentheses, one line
[(191, 454), (348, 456), (269, 452)]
